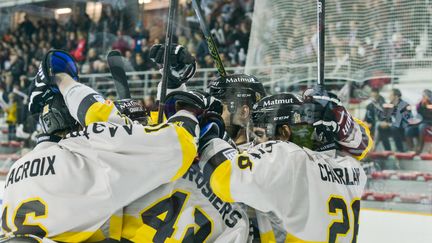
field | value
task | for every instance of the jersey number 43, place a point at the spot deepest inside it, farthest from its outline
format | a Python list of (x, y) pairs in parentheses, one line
[(163, 216)]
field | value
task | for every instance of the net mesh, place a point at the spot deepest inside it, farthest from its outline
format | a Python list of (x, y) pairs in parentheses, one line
[(364, 39)]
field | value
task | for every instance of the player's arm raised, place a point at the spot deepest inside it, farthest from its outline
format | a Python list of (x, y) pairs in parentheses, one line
[(58, 72), (169, 148), (352, 135), (174, 141)]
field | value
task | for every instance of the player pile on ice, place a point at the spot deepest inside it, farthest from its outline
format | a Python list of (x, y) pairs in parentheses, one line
[(97, 175)]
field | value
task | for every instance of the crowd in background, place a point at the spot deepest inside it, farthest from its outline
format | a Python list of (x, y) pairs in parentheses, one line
[(394, 119), (365, 34), (22, 48)]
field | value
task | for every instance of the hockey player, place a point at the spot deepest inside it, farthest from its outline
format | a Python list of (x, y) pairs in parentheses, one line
[(74, 181), (185, 210), (239, 92), (240, 98), (307, 195)]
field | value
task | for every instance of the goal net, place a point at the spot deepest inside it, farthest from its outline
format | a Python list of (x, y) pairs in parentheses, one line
[(364, 39)]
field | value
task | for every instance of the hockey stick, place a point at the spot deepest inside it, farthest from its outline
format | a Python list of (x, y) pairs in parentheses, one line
[(210, 41), (116, 66), (321, 41), (172, 13)]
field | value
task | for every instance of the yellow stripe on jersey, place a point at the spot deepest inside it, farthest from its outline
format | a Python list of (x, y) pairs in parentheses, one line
[(115, 227), (154, 117), (98, 236), (189, 150), (79, 236), (292, 239), (135, 231), (370, 140), (268, 237), (98, 112), (220, 181)]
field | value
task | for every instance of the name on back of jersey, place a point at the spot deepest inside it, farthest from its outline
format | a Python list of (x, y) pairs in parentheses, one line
[(43, 166), (99, 127), (229, 214), (344, 176)]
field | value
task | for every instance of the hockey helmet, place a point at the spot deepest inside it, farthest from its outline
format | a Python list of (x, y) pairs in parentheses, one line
[(55, 116), (289, 109), (237, 88), (133, 109), (196, 101)]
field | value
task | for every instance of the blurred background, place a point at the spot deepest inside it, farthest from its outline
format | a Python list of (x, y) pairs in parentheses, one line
[(378, 60)]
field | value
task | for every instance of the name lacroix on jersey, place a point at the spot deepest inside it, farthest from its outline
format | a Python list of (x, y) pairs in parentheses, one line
[(43, 166)]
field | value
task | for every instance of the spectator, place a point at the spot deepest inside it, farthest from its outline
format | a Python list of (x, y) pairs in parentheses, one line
[(58, 41), (139, 63), (89, 64), (424, 109), (208, 61), (374, 110), (108, 22), (121, 43), (11, 117), (80, 51), (140, 36), (201, 49), (16, 66), (26, 26), (395, 125)]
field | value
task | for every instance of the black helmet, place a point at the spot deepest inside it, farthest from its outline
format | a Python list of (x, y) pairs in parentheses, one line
[(289, 109), (133, 109), (237, 88), (55, 116)]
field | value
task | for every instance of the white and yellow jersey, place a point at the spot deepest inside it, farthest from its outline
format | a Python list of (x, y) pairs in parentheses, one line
[(66, 191), (310, 196), (186, 210)]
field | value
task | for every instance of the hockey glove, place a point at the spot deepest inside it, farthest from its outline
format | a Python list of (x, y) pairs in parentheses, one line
[(334, 115), (39, 93), (212, 128), (43, 85), (182, 64), (54, 62)]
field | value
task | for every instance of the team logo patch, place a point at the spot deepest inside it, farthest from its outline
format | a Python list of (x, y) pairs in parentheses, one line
[(99, 98), (230, 154)]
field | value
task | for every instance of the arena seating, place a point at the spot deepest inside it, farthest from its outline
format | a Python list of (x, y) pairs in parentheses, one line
[(399, 181)]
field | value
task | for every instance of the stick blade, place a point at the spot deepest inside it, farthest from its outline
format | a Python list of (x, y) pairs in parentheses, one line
[(116, 66)]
